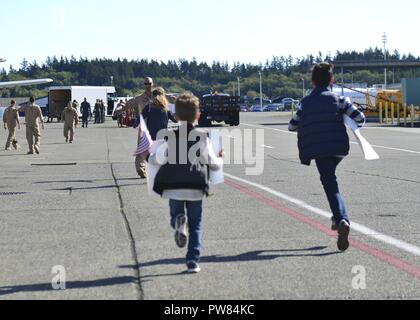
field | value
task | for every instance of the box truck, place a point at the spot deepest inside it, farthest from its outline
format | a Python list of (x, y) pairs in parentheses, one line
[(59, 97)]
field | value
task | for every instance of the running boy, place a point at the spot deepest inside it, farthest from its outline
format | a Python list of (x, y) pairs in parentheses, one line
[(183, 177), (322, 136)]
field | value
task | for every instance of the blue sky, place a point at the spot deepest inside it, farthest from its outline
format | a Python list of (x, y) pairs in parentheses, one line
[(224, 30)]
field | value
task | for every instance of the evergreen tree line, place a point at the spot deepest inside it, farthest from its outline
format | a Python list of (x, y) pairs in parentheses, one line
[(282, 76)]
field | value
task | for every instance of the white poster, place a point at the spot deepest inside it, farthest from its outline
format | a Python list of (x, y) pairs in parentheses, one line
[(368, 151), (216, 177), (153, 169)]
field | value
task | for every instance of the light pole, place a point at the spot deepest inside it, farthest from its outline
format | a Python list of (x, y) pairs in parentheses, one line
[(352, 77), (239, 87), (384, 41), (303, 82), (261, 90), (112, 80)]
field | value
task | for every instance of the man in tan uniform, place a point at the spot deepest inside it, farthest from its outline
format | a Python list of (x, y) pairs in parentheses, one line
[(140, 102), (70, 118), (11, 121), (33, 116)]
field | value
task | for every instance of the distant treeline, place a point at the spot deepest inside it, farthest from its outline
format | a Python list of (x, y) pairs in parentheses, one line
[(282, 76)]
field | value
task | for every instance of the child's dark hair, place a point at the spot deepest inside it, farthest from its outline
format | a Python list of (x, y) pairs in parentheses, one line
[(322, 74)]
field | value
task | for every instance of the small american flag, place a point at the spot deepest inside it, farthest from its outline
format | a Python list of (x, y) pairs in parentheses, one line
[(146, 141)]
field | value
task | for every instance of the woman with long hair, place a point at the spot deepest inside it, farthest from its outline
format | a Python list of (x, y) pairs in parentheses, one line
[(157, 114)]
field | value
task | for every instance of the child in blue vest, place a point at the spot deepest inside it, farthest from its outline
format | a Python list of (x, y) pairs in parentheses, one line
[(183, 178), (322, 136)]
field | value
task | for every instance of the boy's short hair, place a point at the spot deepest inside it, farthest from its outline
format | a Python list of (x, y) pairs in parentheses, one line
[(187, 106), (13, 102), (323, 74), (31, 99)]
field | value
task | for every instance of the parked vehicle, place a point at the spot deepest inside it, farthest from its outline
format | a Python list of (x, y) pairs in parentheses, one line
[(245, 109), (274, 108), (257, 109), (258, 101), (288, 103), (278, 99)]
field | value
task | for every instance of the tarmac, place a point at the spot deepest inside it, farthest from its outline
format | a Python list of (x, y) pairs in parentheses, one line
[(83, 207)]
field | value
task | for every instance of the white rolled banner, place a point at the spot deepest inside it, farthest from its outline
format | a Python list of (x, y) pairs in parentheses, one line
[(216, 177), (152, 169), (368, 151)]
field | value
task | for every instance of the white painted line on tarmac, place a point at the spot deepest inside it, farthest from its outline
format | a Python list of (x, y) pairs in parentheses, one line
[(397, 149), (267, 147), (375, 146), (274, 129), (355, 226)]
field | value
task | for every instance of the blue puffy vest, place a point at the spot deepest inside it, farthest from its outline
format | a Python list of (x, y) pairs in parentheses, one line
[(322, 132)]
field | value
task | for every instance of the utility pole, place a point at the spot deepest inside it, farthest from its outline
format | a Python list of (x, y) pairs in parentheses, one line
[(303, 81), (239, 87), (384, 41), (261, 89)]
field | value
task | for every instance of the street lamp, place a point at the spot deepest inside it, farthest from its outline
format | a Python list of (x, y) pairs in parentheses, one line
[(352, 77), (384, 41), (261, 90), (239, 87), (303, 81)]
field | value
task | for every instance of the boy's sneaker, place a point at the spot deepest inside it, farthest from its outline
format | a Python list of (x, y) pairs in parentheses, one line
[(334, 226), (181, 236), (343, 236), (15, 145), (193, 267), (36, 149)]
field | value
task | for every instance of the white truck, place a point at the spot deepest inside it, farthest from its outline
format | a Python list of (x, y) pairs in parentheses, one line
[(59, 97)]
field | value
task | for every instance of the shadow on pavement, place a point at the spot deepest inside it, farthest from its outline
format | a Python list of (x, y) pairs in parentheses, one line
[(86, 181), (71, 285), (95, 188), (262, 255)]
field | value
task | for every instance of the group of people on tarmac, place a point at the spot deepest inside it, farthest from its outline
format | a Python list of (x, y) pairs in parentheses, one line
[(33, 119), (322, 137), (99, 112)]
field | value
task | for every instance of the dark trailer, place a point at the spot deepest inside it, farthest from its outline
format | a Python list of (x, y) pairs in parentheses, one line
[(219, 108)]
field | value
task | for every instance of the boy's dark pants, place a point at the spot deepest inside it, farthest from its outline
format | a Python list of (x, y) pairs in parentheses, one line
[(195, 216), (327, 167)]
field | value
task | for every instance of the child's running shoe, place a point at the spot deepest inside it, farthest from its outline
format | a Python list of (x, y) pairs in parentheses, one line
[(181, 236), (343, 236), (193, 267)]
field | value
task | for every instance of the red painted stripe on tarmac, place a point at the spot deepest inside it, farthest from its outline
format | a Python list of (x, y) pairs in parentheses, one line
[(380, 255)]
